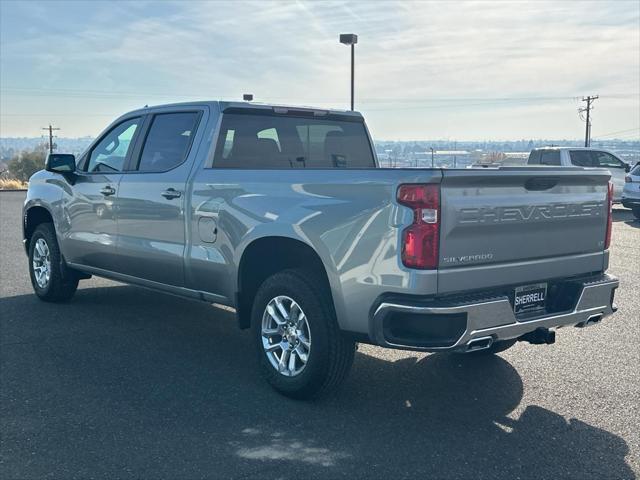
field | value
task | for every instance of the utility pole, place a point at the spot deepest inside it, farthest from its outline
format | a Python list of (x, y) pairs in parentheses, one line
[(587, 109), (51, 129), (455, 149)]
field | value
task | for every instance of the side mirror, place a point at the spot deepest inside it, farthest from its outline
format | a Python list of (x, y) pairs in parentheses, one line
[(60, 163)]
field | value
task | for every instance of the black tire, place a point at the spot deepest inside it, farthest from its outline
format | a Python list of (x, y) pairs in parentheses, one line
[(636, 212), (62, 282), (496, 347), (331, 353)]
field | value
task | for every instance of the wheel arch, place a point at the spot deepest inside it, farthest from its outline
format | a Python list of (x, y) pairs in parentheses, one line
[(33, 216), (266, 256)]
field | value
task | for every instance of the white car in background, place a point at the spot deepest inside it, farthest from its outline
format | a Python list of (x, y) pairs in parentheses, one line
[(631, 192), (584, 157)]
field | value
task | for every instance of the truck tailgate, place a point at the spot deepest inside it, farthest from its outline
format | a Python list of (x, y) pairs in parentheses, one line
[(516, 225)]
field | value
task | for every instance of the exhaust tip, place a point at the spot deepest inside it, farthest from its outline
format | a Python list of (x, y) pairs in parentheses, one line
[(479, 344), (594, 319)]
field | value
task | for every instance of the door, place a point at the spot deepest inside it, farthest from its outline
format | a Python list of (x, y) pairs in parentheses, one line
[(151, 199), (617, 169), (90, 236)]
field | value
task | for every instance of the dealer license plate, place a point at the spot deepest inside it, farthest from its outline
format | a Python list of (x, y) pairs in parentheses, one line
[(530, 298)]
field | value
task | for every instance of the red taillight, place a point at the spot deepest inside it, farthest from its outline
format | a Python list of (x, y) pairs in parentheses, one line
[(607, 240), (421, 239)]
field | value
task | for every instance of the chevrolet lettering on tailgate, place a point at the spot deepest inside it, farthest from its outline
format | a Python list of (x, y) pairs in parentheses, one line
[(531, 213)]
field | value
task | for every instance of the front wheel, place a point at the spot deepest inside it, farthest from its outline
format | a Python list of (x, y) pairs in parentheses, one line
[(301, 351), (636, 212), (50, 282)]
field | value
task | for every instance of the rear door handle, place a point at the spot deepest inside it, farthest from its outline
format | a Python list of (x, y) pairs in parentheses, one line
[(108, 190), (171, 193)]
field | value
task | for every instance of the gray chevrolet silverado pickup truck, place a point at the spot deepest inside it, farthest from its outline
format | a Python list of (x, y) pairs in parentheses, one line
[(284, 215)]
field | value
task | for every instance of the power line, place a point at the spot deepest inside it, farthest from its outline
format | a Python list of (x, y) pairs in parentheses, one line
[(626, 137), (52, 114), (637, 129), (455, 104), (110, 94)]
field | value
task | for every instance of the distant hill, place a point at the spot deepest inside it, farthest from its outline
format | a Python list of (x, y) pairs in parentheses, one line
[(629, 150), (10, 146)]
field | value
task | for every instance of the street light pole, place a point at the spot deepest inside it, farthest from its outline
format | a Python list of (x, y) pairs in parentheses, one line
[(353, 65), (431, 156), (351, 39)]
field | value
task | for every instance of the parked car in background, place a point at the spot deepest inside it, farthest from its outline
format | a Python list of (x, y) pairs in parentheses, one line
[(631, 192), (283, 214), (584, 157)]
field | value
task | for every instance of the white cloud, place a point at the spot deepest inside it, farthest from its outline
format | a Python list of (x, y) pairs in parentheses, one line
[(288, 52)]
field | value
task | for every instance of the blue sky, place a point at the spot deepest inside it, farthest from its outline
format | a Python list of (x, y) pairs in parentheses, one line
[(466, 70)]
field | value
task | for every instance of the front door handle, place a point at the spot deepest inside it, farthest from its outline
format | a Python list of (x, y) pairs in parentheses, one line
[(171, 193), (108, 190)]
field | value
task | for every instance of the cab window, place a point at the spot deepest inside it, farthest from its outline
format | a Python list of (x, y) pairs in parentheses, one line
[(534, 158), (168, 141), (606, 160), (111, 152), (264, 141), (582, 158), (550, 157)]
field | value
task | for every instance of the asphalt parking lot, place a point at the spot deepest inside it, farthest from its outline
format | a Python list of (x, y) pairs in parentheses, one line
[(123, 382)]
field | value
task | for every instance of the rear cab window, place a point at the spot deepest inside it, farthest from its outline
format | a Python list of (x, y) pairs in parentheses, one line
[(544, 157), (550, 157), (168, 141), (534, 157), (273, 141), (582, 158)]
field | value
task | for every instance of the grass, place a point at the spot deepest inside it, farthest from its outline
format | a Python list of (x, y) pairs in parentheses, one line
[(12, 184)]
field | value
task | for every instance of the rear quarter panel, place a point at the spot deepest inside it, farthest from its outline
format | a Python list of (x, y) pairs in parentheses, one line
[(349, 217)]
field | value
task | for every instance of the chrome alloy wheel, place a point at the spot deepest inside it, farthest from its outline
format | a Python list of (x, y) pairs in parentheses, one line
[(286, 338), (42, 263)]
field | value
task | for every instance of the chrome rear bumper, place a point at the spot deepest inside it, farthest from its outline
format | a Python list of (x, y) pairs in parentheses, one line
[(494, 317)]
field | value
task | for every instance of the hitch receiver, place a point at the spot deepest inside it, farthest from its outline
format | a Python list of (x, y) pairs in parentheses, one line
[(539, 336)]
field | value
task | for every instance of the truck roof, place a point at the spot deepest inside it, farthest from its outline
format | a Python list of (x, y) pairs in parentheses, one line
[(223, 105), (567, 148)]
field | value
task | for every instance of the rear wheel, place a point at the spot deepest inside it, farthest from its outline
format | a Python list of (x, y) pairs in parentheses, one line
[(50, 282), (301, 351)]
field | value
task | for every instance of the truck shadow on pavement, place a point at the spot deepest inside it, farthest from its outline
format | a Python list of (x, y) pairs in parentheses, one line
[(123, 382), (627, 217)]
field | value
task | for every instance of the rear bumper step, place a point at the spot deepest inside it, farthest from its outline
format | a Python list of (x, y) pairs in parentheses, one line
[(477, 325)]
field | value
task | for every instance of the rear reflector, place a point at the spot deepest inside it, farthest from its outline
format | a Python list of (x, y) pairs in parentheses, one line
[(607, 240), (420, 241)]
